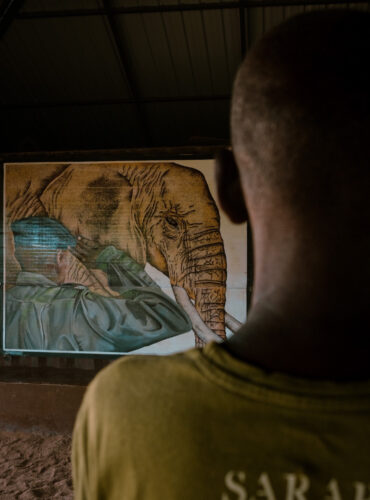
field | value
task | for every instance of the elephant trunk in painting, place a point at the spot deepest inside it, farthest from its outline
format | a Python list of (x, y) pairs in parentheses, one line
[(210, 303), (201, 330), (203, 276)]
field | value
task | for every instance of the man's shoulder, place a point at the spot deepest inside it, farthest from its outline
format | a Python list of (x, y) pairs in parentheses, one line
[(132, 378), (140, 367)]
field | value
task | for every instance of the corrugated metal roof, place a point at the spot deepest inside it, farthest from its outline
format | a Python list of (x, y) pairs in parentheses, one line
[(181, 53), (99, 73)]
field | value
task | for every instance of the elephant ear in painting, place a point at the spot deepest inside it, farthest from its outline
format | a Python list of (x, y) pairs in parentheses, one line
[(94, 201)]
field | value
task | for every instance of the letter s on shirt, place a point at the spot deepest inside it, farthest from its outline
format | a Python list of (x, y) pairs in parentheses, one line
[(233, 480)]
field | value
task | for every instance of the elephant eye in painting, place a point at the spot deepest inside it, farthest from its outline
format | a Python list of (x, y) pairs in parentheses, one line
[(172, 222)]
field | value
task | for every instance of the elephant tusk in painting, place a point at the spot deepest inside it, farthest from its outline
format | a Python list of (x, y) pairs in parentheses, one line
[(126, 218), (199, 327), (232, 323)]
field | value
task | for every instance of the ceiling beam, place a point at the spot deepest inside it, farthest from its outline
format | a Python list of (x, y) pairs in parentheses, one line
[(143, 9), (112, 102), (196, 152), (8, 12)]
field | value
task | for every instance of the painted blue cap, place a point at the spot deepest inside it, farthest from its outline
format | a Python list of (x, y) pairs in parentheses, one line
[(42, 232)]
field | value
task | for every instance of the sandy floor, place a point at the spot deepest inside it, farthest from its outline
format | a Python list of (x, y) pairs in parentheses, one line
[(34, 464)]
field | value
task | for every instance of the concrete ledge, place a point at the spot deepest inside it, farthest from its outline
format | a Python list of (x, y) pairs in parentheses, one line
[(46, 375), (46, 406)]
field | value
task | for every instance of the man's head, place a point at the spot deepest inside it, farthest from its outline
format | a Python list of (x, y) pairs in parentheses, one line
[(300, 118), (42, 246), (300, 161)]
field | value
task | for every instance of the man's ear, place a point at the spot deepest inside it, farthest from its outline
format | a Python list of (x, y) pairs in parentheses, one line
[(229, 189), (63, 259), (60, 257)]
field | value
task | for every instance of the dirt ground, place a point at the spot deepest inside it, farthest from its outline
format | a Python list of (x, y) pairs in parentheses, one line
[(34, 464)]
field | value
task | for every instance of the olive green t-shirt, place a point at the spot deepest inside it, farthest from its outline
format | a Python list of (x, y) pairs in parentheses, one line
[(204, 425)]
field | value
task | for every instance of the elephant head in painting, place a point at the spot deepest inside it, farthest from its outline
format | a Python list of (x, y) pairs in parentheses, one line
[(163, 214)]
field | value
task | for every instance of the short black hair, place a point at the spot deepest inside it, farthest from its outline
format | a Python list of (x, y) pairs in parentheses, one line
[(301, 107)]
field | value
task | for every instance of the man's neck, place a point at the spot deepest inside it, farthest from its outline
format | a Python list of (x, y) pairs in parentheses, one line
[(309, 315), (326, 350)]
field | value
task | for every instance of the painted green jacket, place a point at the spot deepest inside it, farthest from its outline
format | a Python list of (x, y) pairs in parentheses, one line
[(41, 315)]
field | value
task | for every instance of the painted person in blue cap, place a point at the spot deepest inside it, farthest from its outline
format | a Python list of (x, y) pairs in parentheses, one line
[(57, 304)]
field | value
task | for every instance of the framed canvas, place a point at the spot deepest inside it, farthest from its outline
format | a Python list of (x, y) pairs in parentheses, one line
[(108, 258)]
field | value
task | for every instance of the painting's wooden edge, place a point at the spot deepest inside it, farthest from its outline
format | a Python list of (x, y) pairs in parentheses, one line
[(138, 154)]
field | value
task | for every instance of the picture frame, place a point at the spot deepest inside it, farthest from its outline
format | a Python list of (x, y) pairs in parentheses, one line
[(96, 160)]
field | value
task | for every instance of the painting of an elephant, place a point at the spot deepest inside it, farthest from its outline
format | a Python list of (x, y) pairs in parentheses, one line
[(161, 213)]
